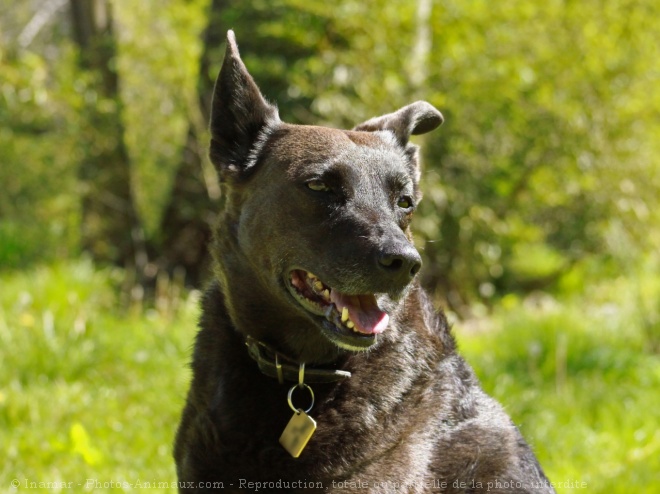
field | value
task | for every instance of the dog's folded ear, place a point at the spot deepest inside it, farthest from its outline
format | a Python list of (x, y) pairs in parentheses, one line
[(414, 119), (240, 115)]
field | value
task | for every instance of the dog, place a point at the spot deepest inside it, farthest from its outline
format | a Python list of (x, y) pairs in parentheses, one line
[(320, 362)]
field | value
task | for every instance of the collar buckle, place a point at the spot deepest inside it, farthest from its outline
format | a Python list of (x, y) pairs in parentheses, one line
[(277, 365)]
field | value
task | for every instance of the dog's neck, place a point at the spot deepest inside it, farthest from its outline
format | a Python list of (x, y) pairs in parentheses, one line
[(275, 364)]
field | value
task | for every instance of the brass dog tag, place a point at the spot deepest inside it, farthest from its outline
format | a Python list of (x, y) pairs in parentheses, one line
[(297, 433)]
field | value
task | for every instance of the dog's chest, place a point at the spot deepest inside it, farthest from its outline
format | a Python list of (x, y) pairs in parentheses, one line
[(354, 433)]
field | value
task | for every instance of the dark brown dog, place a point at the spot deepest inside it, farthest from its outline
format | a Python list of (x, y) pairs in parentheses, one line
[(315, 265)]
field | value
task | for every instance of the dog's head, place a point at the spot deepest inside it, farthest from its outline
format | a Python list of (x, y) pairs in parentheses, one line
[(316, 220)]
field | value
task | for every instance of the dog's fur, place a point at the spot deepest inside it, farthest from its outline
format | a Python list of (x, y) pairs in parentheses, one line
[(412, 418)]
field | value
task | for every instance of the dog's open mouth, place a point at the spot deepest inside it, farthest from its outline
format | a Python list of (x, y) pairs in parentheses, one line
[(357, 319)]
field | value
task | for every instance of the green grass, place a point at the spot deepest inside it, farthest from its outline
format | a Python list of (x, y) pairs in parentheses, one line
[(580, 382), (89, 390), (86, 391)]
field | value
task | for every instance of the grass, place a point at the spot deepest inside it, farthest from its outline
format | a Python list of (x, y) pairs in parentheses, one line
[(581, 383), (91, 393), (88, 391)]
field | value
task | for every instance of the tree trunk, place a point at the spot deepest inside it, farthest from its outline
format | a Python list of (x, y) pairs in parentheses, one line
[(422, 47), (185, 229), (111, 230)]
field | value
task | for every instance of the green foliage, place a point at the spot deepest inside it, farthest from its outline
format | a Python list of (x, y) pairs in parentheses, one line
[(543, 145), (159, 43), (38, 121)]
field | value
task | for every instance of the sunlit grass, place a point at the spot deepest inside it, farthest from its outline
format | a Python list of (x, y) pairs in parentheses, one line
[(87, 390), (578, 381), (91, 391)]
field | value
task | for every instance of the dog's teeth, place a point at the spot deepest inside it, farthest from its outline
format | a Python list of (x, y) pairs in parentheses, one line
[(310, 276), (318, 285), (326, 294), (350, 324), (344, 314)]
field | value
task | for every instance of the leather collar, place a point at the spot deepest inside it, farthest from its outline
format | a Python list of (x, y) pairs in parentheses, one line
[(277, 365)]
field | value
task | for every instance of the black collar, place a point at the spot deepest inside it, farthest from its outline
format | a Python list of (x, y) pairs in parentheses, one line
[(275, 364)]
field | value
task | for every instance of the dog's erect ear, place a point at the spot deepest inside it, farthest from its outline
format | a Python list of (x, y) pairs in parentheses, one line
[(240, 116), (414, 119)]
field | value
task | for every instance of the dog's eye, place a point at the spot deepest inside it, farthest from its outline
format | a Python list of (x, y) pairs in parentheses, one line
[(405, 202), (318, 186)]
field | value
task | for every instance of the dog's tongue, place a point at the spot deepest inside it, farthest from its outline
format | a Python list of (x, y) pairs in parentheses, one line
[(363, 311)]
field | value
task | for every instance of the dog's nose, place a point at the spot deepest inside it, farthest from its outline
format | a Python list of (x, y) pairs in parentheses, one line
[(402, 263)]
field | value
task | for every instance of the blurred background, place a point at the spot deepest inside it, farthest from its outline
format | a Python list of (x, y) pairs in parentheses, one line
[(539, 227)]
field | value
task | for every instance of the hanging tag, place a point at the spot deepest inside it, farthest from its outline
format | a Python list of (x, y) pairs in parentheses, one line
[(297, 433)]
